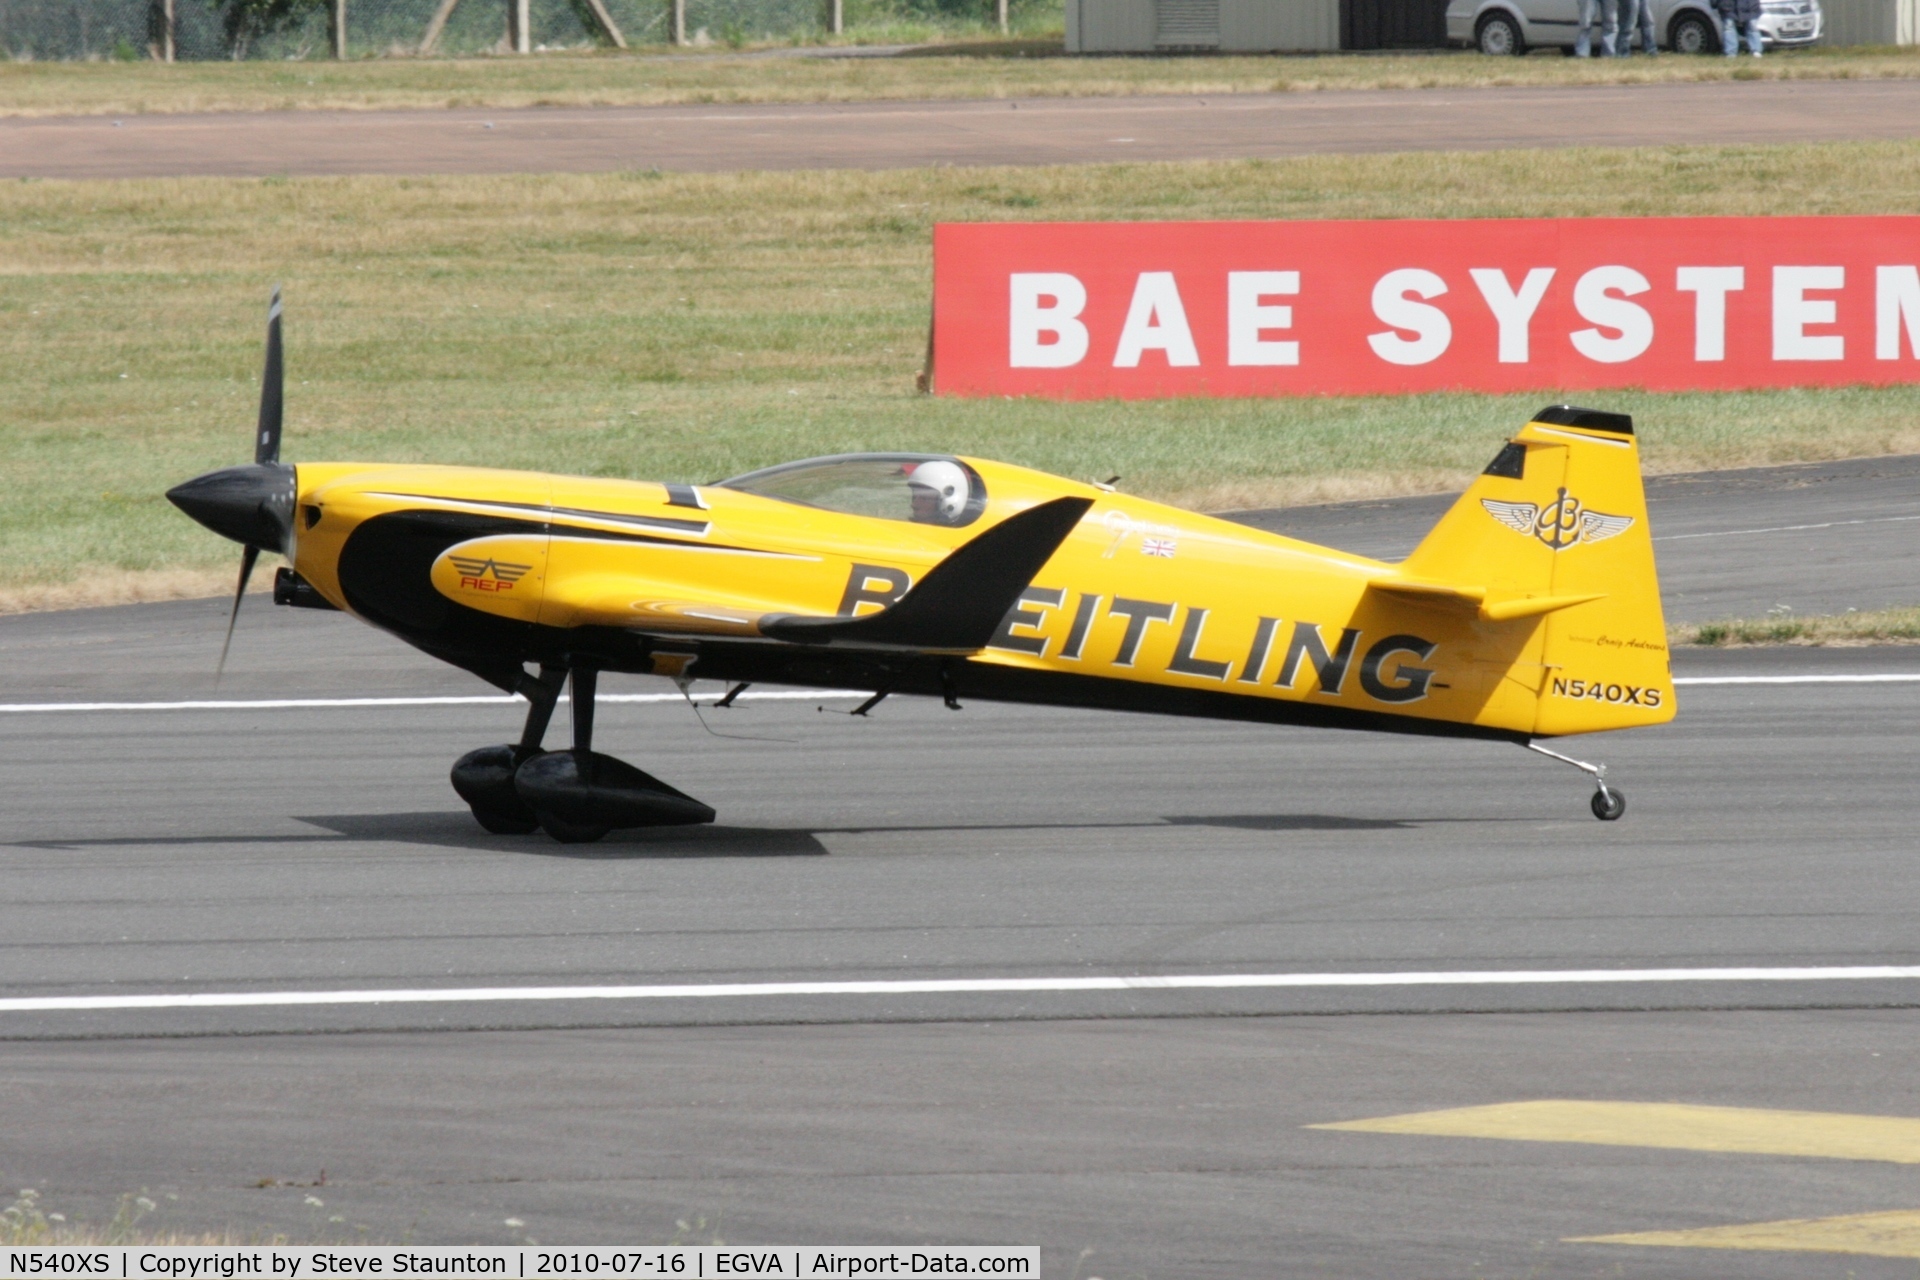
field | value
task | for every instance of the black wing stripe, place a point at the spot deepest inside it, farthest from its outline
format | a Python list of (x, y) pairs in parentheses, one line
[(540, 509), (609, 535)]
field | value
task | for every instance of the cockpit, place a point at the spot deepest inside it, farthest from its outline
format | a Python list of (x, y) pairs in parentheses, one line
[(924, 488)]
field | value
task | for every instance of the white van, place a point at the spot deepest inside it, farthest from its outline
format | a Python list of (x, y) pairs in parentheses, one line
[(1684, 26)]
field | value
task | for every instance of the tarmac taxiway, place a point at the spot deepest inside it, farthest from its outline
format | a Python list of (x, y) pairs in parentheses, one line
[(893, 135), (247, 848)]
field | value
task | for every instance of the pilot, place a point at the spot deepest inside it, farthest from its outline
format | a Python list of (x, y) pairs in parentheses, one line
[(940, 492)]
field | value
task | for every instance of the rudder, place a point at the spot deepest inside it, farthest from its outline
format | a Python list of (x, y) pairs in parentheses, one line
[(1554, 536)]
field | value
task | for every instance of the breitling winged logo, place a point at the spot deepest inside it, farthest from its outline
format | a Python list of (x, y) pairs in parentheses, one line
[(469, 568), (1561, 524)]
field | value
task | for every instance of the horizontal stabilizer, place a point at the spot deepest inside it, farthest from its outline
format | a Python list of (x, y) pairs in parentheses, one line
[(1439, 594), (1473, 600), (962, 600), (1534, 606)]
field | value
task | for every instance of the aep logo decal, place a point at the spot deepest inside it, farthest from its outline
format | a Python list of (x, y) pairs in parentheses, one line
[(488, 574)]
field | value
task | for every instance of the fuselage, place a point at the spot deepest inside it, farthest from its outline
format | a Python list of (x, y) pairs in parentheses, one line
[(1144, 606), (1532, 609)]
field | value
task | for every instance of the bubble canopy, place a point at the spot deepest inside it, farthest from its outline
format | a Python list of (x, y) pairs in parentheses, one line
[(865, 484)]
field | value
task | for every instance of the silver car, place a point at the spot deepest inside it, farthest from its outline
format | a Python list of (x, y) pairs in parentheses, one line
[(1684, 26)]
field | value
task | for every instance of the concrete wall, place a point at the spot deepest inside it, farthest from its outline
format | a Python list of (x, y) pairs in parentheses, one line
[(1871, 22), (1246, 26)]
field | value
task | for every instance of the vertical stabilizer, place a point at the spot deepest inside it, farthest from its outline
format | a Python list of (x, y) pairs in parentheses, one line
[(1553, 537)]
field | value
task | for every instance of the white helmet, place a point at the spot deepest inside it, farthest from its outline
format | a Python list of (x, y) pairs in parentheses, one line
[(947, 481)]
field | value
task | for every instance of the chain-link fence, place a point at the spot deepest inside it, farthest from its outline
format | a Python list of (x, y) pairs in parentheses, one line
[(105, 29)]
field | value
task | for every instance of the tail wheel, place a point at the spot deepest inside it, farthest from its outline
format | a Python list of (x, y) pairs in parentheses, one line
[(1608, 805), (1498, 36)]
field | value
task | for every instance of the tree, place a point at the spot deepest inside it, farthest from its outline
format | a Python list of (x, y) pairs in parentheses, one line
[(244, 21)]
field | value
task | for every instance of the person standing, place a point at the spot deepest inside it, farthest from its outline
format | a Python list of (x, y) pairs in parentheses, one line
[(1738, 17), (1638, 16), (1609, 14)]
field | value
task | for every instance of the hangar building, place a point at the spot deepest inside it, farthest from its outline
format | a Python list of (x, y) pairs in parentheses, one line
[(1269, 26)]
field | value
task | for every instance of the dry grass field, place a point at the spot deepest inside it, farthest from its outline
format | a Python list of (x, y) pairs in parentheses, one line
[(979, 69), (694, 326), (1876, 626)]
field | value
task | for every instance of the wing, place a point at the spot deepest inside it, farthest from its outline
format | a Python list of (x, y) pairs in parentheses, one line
[(960, 602), (954, 608), (1596, 527), (1517, 516), (643, 607)]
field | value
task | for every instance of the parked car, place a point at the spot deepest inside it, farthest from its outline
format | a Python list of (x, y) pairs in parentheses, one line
[(1685, 26)]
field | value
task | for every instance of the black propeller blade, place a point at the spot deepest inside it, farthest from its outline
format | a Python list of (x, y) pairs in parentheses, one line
[(266, 440), (253, 505), (247, 559)]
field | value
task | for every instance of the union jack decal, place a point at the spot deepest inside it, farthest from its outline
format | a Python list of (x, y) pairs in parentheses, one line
[(1162, 547)]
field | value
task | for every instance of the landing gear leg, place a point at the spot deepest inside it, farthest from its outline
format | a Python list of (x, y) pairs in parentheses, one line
[(586, 685), (579, 795), (541, 695), (1608, 802), (484, 778)]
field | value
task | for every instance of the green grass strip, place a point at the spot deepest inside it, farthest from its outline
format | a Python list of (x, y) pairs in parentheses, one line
[(1877, 626), (1020, 68), (689, 327)]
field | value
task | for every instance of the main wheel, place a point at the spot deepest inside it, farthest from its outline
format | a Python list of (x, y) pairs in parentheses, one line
[(504, 824), (1609, 804), (1692, 33), (569, 832), (1498, 36), (484, 779)]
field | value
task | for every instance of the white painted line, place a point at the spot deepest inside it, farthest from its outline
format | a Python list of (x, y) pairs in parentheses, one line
[(794, 695), (262, 704), (281, 704), (1784, 528), (1864, 679), (951, 986)]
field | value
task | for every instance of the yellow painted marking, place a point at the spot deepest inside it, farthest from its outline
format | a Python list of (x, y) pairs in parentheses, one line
[(1671, 1125), (1885, 1235)]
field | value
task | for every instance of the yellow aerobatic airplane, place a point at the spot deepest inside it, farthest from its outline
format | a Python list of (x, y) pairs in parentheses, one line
[(1530, 611)]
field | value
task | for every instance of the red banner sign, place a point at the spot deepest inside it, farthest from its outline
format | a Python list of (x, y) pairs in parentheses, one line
[(1083, 310)]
